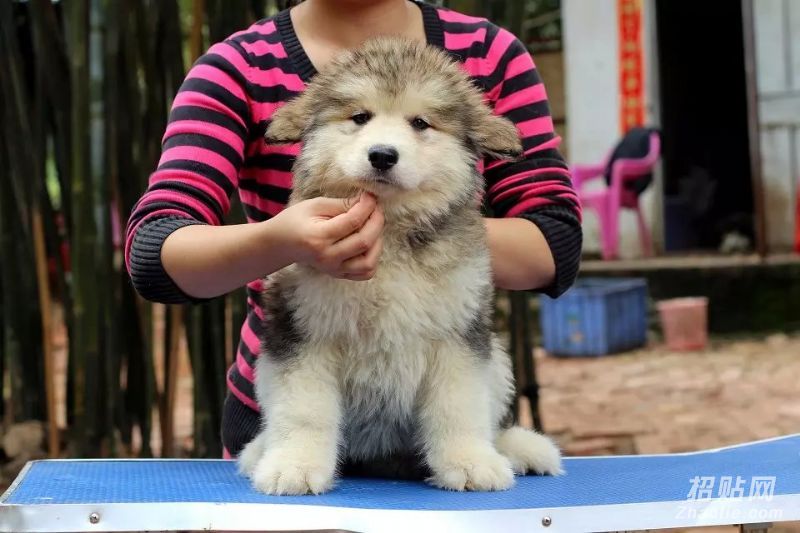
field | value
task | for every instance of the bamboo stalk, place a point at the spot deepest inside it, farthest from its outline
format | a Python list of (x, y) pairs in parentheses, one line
[(47, 332), (144, 389), (199, 400), (84, 345), (522, 354), (115, 346), (206, 344), (5, 239), (171, 360), (160, 322), (101, 361), (176, 338), (13, 327), (196, 35), (128, 183), (172, 52), (53, 66), (136, 161), (517, 19)]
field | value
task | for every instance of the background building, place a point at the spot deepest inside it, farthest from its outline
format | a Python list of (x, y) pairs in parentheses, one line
[(721, 81)]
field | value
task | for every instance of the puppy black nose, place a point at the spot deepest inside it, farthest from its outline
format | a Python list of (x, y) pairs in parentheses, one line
[(383, 157)]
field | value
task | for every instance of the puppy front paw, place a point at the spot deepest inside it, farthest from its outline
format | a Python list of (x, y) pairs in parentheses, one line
[(476, 467), (251, 454), (294, 471)]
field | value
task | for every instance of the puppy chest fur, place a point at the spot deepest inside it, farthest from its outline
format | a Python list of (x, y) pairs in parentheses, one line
[(385, 333)]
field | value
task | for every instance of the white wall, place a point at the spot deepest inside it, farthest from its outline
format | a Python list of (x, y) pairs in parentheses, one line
[(591, 71), (591, 76), (777, 40)]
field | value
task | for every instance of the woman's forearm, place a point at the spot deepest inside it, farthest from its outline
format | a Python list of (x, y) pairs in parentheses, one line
[(209, 261), (521, 256)]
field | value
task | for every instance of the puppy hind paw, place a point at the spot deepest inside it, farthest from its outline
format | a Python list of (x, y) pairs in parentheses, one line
[(529, 451)]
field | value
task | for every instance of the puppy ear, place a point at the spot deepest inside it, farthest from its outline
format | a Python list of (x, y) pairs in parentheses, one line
[(497, 136), (290, 121)]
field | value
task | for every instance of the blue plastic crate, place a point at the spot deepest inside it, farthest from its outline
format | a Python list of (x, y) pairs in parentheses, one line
[(597, 316)]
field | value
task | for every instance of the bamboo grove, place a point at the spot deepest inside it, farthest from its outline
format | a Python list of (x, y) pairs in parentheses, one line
[(85, 92)]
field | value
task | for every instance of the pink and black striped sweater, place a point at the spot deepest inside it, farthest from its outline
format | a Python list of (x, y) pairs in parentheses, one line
[(213, 148)]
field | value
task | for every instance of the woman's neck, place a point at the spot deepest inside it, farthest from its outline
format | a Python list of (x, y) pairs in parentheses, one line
[(345, 24)]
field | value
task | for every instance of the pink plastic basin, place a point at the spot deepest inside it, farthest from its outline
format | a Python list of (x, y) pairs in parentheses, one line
[(685, 323)]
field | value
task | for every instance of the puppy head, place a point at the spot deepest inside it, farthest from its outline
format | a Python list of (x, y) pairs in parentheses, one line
[(394, 117)]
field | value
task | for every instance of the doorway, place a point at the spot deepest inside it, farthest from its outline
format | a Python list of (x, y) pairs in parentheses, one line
[(708, 192)]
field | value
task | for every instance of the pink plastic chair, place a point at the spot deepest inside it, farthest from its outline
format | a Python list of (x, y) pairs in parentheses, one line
[(608, 201)]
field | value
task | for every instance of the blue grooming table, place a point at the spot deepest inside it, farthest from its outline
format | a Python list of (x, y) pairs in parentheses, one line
[(748, 484)]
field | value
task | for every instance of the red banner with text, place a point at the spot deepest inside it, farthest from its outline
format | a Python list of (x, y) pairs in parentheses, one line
[(631, 64)]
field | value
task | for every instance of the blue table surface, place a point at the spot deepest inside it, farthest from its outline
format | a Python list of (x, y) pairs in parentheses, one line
[(588, 481)]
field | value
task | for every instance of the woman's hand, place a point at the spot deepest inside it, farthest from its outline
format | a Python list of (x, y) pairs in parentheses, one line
[(341, 237)]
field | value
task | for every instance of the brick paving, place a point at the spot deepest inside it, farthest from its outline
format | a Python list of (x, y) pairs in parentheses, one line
[(656, 401)]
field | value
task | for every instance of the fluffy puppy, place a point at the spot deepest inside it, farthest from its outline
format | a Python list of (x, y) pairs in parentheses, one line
[(402, 368)]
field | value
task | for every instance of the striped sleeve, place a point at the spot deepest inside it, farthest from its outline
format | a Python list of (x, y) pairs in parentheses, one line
[(202, 151), (537, 187)]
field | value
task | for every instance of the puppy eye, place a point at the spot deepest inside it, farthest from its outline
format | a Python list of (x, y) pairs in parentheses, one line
[(420, 124), (361, 118)]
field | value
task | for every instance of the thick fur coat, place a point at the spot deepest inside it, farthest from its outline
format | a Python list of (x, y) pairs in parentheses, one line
[(402, 369)]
